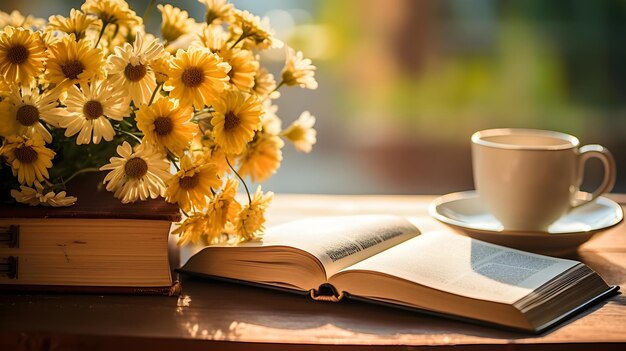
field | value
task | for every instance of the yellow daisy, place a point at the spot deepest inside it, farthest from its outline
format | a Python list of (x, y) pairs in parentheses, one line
[(89, 110), (251, 219), (218, 11), (198, 77), (264, 84), (42, 196), (167, 125), (174, 22), (301, 132), (77, 23), (112, 12), (192, 228), (222, 208), (29, 158), (243, 68), (298, 70), (70, 62), (254, 30), (235, 119), (16, 19), (136, 175), (23, 111), (130, 70), (192, 184), (21, 55), (262, 158)]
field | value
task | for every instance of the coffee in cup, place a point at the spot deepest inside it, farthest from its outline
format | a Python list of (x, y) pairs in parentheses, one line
[(529, 178)]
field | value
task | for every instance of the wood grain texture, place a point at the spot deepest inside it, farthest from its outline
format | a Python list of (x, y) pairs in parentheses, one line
[(226, 316)]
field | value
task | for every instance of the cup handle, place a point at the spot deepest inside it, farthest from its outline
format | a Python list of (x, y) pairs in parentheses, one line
[(600, 152)]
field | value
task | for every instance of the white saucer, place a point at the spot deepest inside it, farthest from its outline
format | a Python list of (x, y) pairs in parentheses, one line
[(465, 211)]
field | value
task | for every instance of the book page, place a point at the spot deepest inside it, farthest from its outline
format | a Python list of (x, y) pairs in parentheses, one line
[(464, 266), (338, 242)]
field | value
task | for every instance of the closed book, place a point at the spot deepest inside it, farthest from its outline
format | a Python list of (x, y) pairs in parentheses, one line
[(98, 245)]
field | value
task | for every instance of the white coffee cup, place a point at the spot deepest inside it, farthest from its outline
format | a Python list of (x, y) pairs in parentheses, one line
[(529, 178)]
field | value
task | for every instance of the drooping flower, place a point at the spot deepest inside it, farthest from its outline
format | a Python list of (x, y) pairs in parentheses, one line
[(21, 55), (299, 70), (265, 84), (251, 219), (166, 125), (42, 196), (301, 132), (255, 31), (174, 22), (192, 228), (29, 158), (198, 77), (89, 110), (130, 68), (262, 158), (222, 208), (77, 23), (112, 12), (218, 11), (136, 175), (193, 184), (235, 119), (23, 111), (71, 62)]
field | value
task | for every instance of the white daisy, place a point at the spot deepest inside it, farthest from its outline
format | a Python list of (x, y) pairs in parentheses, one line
[(40, 196), (88, 112), (24, 109), (137, 175), (301, 132)]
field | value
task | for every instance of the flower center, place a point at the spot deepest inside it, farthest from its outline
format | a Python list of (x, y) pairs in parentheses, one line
[(17, 54), (72, 68), (92, 109), (135, 73), (136, 168), (231, 121), (26, 154), (27, 115), (163, 126), (189, 182), (192, 76)]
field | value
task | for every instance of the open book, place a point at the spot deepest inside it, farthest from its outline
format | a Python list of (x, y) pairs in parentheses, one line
[(386, 259)]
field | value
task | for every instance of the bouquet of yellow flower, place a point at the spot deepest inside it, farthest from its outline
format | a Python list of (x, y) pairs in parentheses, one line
[(185, 117)]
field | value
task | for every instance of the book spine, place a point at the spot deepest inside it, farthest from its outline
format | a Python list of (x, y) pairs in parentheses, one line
[(173, 290)]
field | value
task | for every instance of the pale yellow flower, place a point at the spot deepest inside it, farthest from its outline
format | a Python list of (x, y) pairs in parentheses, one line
[(213, 37), (70, 62), (299, 70), (204, 145), (89, 111), (161, 68), (174, 22), (222, 208), (301, 132), (130, 68), (112, 12), (23, 111), (251, 219), (192, 228), (42, 196), (167, 126), (77, 23), (264, 84), (262, 158), (21, 55), (270, 122), (16, 19), (218, 11), (136, 175), (198, 77), (235, 119), (29, 158), (255, 31), (193, 184)]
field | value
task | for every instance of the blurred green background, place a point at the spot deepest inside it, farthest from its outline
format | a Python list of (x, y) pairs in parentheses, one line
[(403, 83)]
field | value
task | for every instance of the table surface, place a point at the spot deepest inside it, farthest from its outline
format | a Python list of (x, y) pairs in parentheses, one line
[(219, 315)]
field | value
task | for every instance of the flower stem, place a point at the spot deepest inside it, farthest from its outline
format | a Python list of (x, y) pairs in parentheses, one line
[(282, 82), (84, 170), (156, 90), (129, 134), (243, 181), (242, 37), (173, 160), (146, 14), (104, 26)]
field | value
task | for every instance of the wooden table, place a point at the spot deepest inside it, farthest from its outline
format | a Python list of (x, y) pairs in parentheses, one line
[(214, 315)]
